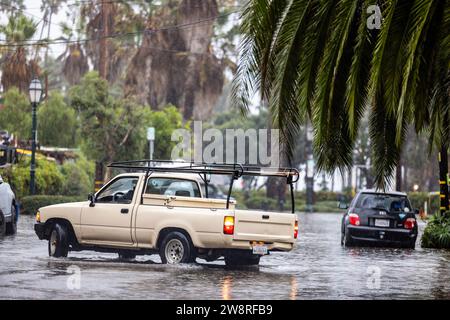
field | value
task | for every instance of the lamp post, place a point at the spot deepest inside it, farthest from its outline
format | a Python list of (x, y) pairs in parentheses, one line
[(35, 92)]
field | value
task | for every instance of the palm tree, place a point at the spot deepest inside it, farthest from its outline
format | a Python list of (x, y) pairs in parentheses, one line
[(17, 71), (318, 59)]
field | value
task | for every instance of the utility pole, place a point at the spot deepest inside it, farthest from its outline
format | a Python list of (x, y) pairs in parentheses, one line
[(104, 34), (443, 179), (103, 72)]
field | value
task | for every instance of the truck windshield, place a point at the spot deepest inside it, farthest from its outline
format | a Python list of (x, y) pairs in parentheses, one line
[(390, 203)]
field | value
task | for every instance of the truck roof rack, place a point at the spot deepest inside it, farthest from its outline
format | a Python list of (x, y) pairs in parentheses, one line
[(234, 170)]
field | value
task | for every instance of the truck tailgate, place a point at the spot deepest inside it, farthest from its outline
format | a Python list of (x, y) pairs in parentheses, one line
[(264, 226)]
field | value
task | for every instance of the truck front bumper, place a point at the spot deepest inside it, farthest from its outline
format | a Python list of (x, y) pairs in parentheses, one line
[(39, 228)]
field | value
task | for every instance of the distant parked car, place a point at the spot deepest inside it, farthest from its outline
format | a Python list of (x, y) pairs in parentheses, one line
[(380, 218), (8, 210)]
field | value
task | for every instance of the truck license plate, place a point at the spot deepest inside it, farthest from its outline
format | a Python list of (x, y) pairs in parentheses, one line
[(381, 222), (260, 249)]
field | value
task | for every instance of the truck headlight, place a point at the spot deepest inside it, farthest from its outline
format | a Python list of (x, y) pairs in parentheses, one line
[(38, 216)]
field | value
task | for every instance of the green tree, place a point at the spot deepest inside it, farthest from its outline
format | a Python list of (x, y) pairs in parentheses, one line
[(15, 116), (110, 129), (78, 176), (16, 70), (57, 123), (164, 122), (319, 59)]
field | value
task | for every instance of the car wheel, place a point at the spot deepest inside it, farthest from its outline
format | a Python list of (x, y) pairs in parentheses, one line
[(58, 245), (411, 244), (176, 248), (126, 256), (11, 228), (347, 241), (238, 259), (2, 224)]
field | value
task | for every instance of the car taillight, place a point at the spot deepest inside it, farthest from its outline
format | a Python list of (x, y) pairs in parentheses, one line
[(353, 218), (296, 230), (228, 225), (409, 223)]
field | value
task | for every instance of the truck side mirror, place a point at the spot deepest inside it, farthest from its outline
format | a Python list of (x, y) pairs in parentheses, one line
[(91, 198), (343, 205)]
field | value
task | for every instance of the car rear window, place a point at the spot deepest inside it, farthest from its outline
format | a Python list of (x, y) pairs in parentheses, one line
[(383, 201)]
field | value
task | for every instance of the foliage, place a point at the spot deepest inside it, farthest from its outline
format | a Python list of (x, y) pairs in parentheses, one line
[(15, 116), (437, 232), (165, 122), (418, 199), (78, 176), (49, 179), (309, 59), (57, 123), (111, 129), (16, 71), (31, 204)]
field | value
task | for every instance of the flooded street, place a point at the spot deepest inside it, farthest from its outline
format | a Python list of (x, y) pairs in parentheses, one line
[(318, 268)]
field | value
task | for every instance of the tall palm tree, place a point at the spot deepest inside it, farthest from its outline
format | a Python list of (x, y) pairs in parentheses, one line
[(318, 59), (17, 71)]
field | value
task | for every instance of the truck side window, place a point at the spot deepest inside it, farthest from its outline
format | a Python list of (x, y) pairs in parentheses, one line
[(173, 187), (119, 191)]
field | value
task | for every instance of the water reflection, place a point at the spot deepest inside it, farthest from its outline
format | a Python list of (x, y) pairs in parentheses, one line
[(226, 284)]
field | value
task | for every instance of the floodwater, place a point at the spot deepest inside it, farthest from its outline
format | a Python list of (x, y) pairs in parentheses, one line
[(318, 268)]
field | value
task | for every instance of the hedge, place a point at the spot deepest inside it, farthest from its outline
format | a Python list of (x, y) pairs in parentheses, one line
[(437, 232), (30, 204)]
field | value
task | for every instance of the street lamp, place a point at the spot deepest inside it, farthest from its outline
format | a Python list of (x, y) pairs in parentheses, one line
[(35, 92)]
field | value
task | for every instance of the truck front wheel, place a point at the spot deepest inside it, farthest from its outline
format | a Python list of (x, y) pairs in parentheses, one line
[(58, 245), (176, 248)]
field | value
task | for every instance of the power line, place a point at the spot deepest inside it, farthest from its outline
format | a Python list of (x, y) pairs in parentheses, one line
[(25, 43)]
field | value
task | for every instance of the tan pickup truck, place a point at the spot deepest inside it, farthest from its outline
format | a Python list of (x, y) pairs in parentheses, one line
[(167, 211)]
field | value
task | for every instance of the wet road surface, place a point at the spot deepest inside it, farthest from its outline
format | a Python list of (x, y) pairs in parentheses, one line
[(318, 268)]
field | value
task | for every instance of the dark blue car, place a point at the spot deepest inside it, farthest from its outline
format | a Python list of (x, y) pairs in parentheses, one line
[(380, 219)]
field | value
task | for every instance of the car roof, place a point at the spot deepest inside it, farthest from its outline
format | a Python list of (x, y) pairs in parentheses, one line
[(393, 193)]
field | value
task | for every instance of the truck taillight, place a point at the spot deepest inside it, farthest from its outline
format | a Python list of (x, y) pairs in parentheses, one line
[(409, 223), (296, 230), (353, 219), (228, 225)]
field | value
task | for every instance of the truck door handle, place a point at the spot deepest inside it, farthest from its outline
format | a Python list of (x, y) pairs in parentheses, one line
[(265, 216), (124, 211)]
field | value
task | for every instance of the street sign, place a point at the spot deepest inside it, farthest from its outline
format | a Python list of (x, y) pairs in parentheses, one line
[(151, 134)]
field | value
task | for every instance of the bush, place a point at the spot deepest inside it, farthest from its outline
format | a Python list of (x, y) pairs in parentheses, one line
[(30, 204), (48, 178), (78, 176), (262, 203), (437, 232), (418, 198)]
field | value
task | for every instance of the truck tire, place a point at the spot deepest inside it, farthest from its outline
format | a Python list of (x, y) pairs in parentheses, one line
[(242, 259), (176, 248), (2, 224), (11, 228), (58, 245)]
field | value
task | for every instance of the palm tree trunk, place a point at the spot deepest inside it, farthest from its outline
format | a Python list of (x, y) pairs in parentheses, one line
[(443, 178), (398, 176)]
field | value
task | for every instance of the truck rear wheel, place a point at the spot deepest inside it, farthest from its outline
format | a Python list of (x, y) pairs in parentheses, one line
[(58, 245), (242, 259), (2, 224), (176, 248)]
